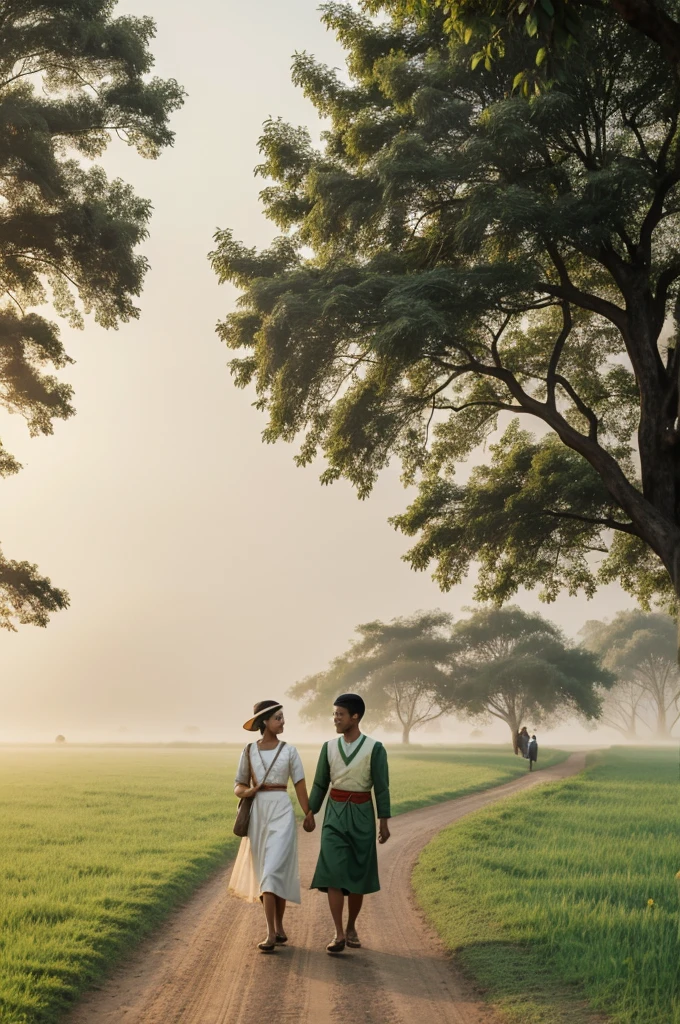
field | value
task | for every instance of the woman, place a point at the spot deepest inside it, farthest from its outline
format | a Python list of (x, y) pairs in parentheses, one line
[(523, 741), (267, 862)]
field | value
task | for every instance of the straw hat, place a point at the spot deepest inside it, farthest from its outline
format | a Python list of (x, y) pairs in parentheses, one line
[(253, 724)]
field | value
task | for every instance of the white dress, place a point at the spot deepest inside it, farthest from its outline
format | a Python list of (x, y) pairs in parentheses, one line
[(267, 859)]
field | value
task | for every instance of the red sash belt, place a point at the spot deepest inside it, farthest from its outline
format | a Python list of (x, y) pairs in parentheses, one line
[(344, 796)]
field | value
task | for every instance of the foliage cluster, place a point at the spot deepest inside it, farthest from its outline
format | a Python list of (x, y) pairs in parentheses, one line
[(72, 77)]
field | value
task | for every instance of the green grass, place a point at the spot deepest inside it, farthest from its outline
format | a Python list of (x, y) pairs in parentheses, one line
[(97, 844), (544, 898), (428, 775)]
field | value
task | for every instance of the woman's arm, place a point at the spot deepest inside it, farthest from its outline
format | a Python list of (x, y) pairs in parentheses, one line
[(297, 774), (242, 786), (301, 792), (246, 791)]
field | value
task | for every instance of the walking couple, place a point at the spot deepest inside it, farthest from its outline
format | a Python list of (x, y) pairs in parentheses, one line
[(267, 864)]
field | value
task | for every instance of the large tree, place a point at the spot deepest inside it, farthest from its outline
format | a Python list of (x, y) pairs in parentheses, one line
[(518, 668), (640, 649), (401, 668), (72, 76), (455, 253)]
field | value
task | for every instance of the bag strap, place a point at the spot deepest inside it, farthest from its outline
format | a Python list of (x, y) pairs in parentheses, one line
[(250, 763), (276, 757)]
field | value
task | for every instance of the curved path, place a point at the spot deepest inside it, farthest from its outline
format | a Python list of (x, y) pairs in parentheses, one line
[(202, 966)]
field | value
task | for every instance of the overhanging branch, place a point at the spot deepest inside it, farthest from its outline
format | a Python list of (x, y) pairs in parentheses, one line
[(606, 522)]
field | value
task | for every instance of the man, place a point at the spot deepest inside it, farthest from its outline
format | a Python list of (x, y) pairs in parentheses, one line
[(532, 752), (351, 765)]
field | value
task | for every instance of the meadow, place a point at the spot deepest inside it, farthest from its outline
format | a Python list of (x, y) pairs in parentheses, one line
[(98, 844), (564, 900)]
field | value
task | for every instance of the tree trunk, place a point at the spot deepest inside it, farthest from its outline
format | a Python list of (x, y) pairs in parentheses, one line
[(406, 734), (514, 729), (662, 730)]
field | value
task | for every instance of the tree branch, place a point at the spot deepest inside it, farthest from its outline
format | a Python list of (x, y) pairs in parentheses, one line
[(584, 409), (557, 352), (654, 23), (568, 291), (606, 522)]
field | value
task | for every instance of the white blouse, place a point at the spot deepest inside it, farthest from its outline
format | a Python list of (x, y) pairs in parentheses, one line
[(288, 766)]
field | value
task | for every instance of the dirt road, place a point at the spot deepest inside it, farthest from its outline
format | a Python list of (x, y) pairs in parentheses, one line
[(203, 966)]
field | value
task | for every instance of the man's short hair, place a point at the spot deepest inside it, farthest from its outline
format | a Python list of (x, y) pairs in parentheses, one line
[(353, 702)]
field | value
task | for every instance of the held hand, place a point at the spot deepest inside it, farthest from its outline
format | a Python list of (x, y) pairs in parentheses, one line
[(309, 824), (383, 832)]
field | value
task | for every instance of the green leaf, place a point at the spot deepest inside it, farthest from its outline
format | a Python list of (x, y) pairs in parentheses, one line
[(487, 63), (541, 55), (548, 8), (522, 7), (518, 79), (532, 24), (476, 59), (468, 36)]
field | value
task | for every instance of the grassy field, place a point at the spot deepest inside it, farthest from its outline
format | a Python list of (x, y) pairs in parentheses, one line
[(97, 844), (564, 900)]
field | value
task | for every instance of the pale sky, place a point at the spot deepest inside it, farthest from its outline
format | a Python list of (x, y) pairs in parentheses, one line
[(206, 571)]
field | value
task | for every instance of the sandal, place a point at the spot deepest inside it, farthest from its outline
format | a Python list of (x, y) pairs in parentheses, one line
[(353, 941), (336, 946), (264, 948), (281, 939)]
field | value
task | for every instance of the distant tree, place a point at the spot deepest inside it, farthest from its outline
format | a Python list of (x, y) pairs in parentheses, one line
[(519, 668), (640, 649), (624, 708), (71, 77), (60, 739), (401, 668), (455, 252)]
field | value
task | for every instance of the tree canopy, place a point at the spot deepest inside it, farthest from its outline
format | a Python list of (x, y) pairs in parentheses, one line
[(72, 76), (518, 668), (401, 668), (553, 26), (456, 254), (640, 649)]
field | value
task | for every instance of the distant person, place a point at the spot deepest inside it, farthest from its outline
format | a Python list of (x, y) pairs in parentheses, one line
[(266, 867), (523, 741), (532, 752), (351, 765)]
